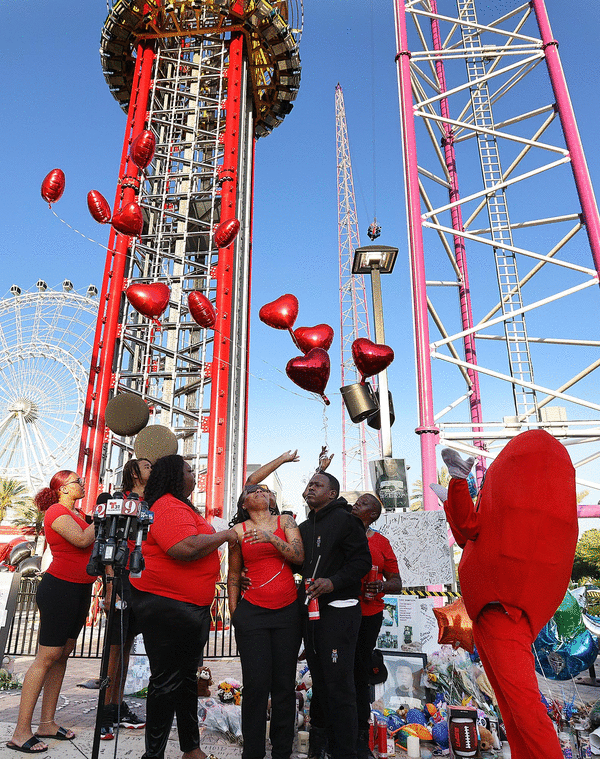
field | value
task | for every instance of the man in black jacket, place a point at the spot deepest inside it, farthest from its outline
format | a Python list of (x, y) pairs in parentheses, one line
[(337, 557)]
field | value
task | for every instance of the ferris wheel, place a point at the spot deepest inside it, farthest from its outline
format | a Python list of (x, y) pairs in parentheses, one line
[(45, 347)]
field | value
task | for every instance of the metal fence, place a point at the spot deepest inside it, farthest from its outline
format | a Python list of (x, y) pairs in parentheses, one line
[(23, 635)]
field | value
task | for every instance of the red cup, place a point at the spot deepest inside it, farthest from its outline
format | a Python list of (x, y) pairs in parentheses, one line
[(313, 604), (371, 577)]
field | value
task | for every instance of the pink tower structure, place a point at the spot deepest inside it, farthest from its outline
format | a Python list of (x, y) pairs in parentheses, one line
[(502, 222), (358, 441), (206, 77)]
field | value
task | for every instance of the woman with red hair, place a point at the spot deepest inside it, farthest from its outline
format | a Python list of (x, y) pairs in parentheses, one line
[(63, 598)]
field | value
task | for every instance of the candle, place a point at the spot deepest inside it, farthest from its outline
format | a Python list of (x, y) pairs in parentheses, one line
[(412, 747), (302, 741)]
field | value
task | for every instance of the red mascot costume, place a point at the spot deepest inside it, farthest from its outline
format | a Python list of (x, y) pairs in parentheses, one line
[(519, 542)]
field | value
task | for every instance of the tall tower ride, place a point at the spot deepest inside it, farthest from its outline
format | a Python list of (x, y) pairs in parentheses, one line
[(207, 77), (502, 214), (357, 440)]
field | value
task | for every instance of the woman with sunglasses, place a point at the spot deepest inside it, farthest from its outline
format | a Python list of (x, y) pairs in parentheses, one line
[(63, 598), (266, 618), (171, 600)]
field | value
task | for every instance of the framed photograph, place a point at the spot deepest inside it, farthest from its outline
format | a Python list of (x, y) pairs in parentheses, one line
[(403, 685)]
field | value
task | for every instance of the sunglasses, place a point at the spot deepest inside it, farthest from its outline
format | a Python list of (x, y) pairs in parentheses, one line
[(78, 481), (255, 488)]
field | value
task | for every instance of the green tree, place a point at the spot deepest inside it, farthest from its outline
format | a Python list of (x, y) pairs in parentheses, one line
[(587, 557), (416, 498), (28, 515), (13, 493)]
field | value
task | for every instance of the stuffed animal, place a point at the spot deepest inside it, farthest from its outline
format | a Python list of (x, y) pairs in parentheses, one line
[(204, 680)]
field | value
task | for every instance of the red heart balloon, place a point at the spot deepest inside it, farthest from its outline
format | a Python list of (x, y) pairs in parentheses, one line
[(98, 206), (225, 233), (371, 358), (201, 309), (307, 338), (310, 372), (53, 185), (149, 300), (280, 313), (129, 220), (142, 148)]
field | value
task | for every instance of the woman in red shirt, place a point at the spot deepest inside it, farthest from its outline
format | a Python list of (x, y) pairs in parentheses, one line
[(63, 598), (266, 620), (171, 600)]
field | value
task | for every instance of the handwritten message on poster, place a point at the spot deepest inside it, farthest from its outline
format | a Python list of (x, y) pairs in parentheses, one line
[(420, 542)]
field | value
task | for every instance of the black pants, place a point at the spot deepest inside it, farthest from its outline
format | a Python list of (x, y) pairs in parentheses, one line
[(367, 640), (268, 641), (175, 634), (330, 644)]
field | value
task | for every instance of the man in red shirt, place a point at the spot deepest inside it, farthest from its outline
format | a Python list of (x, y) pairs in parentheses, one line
[(368, 509)]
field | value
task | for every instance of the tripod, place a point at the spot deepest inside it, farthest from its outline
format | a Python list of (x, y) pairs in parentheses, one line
[(117, 521)]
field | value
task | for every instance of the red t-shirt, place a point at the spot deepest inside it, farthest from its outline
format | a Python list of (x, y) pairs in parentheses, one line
[(273, 585), (190, 581), (383, 557), (68, 561)]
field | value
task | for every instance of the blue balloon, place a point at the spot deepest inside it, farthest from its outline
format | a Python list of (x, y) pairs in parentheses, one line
[(563, 660), (439, 733)]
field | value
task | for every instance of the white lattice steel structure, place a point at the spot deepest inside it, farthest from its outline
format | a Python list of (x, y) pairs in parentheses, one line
[(46, 337), (502, 220), (358, 441), (206, 77)]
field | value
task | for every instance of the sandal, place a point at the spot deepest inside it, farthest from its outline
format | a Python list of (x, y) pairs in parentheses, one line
[(61, 735), (27, 747)]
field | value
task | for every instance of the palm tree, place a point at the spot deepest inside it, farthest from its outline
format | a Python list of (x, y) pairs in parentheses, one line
[(13, 493), (416, 498), (28, 515)]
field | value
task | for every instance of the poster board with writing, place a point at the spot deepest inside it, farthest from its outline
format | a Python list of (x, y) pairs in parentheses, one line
[(420, 541)]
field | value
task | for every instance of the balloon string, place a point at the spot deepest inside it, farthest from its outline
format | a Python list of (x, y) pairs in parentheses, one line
[(226, 337), (207, 267), (325, 425), (85, 237)]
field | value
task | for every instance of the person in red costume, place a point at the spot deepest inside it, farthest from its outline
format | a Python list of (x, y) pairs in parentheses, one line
[(518, 545)]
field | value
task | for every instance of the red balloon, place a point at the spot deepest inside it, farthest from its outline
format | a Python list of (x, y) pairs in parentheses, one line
[(201, 309), (310, 372), (307, 338), (371, 358), (455, 626), (129, 220), (53, 185), (280, 313), (142, 149), (98, 206), (149, 300), (226, 232)]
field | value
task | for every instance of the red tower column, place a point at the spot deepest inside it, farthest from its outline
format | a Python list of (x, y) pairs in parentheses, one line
[(103, 353)]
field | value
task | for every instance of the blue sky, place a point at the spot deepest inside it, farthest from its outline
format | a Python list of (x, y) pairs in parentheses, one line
[(58, 112)]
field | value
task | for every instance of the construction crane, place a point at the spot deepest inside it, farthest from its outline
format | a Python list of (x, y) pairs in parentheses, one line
[(501, 213), (206, 77), (358, 442)]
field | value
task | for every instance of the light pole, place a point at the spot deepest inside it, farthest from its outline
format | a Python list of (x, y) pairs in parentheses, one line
[(377, 260)]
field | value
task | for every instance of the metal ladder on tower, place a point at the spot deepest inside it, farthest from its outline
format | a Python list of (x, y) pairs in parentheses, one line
[(521, 367)]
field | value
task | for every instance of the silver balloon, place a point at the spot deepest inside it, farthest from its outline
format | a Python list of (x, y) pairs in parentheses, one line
[(30, 567), (19, 552), (592, 623)]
